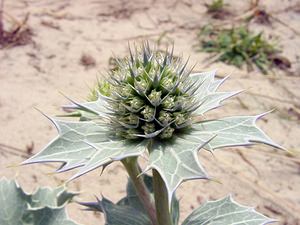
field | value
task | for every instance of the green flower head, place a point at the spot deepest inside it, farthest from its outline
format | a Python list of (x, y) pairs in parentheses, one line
[(154, 88)]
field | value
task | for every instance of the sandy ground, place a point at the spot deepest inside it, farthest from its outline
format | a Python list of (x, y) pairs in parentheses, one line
[(34, 75)]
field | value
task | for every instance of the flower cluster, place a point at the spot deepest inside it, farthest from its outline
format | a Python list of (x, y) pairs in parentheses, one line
[(149, 95)]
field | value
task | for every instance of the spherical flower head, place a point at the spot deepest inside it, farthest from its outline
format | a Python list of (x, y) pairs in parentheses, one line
[(148, 96)]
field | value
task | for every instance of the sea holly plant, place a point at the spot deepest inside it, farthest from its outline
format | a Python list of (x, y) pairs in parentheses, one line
[(152, 105)]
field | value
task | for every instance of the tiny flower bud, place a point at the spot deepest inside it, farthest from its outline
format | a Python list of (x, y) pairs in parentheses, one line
[(164, 117), (131, 134), (141, 85), (105, 88), (167, 83), (169, 103), (148, 128), (136, 103), (119, 108), (131, 119), (120, 132), (180, 102), (179, 118), (152, 72), (148, 112), (126, 91), (154, 97), (166, 133)]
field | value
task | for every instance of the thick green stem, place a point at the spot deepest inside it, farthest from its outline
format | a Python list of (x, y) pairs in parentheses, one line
[(134, 171), (161, 200)]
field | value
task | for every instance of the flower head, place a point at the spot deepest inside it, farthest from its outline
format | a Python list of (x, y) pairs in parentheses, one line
[(156, 92)]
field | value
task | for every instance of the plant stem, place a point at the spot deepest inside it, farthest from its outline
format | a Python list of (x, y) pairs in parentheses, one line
[(143, 193), (161, 200)]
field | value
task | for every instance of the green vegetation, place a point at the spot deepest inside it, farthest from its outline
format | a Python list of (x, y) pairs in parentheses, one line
[(238, 46), (215, 6), (217, 9)]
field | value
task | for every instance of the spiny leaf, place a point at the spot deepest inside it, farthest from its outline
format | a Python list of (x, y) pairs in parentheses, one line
[(44, 207), (225, 211), (90, 108), (47, 197), (49, 216), (13, 203), (129, 203), (71, 147), (176, 161), (207, 93), (85, 144), (112, 150), (123, 214), (232, 131)]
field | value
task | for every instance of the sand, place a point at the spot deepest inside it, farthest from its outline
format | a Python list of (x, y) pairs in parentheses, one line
[(35, 75)]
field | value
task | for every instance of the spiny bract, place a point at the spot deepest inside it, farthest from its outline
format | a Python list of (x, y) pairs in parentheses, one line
[(150, 94)]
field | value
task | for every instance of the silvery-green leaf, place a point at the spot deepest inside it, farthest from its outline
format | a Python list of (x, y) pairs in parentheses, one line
[(85, 144), (98, 107), (130, 201), (13, 203), (112, 150), (225, 211), (212, 101), (176, 160), (70, 147), (49, 216), (47, 197), (44, 207), (206, 79), (231, 131), (123, 214), (206, 93)]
